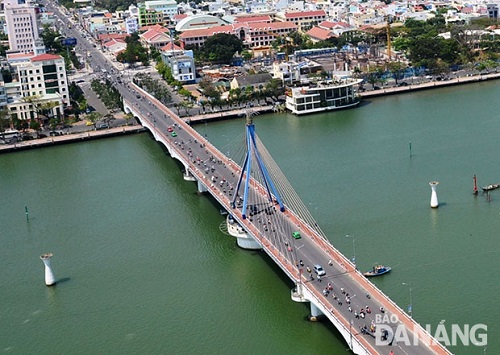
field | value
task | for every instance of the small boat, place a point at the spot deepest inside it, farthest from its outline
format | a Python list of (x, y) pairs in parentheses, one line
[(490, 187), (377, 271)]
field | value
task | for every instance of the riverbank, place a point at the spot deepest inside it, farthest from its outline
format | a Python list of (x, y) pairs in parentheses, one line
[(71, 138), (430, 85), (217, 116)]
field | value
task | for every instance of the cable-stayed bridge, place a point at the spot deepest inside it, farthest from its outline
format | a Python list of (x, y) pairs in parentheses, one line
[(266, 213)]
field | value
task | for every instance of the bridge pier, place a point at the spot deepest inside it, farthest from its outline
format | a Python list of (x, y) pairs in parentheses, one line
[(188, 176), (243, 239), (201, 187), (315, 313)]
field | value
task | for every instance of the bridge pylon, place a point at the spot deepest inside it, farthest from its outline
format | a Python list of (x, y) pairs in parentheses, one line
[(252, 154)]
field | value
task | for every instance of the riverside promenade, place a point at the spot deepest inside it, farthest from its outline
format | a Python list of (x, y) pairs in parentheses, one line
[(215, 116), (429, 85), (70, 138)]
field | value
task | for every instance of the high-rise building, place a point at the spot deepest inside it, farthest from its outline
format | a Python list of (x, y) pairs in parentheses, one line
[(22, 26)]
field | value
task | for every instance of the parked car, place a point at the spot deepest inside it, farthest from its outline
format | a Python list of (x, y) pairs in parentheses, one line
[(103, 126)]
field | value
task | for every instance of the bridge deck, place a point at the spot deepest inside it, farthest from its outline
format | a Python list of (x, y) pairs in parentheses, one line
[(273, 228)]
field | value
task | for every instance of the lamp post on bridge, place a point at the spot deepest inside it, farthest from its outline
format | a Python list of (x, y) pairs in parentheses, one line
[(353, 248), (299, 268), (410, 306)]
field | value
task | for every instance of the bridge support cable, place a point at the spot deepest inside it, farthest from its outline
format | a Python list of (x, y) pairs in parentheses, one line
[(290, 197)]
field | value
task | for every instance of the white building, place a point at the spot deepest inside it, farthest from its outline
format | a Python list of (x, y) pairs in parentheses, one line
[(41, 78), (167, 7), (131, 25), (22, 26), (181, 63)]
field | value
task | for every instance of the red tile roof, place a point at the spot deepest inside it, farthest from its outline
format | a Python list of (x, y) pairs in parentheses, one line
[(104, 37), (45, 56), (168, 47), (252, 18), (256, 26), (331, 25), (156, 27), (300, 14), (319, 33)]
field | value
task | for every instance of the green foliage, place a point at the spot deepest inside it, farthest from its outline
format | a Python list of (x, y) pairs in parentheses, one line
[(274, 88), (108, 94), (156, 88), (220, 48), (208, 89), (53, 42), (134, 52)]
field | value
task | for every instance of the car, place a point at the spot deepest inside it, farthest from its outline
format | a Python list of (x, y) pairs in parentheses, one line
[(56, 133), (296, 235), (170, 129), (88, 123), (318, 269), (174, 134), (103, 126)]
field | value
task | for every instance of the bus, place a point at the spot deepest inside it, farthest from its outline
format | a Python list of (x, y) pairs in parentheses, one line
[(9, 135)]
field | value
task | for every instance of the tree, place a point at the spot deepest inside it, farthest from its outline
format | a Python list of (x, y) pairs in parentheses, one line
[(129, 116), (274, 89), (220, 48), (40, 107), (397, 69), (134, 52), (5, 120), (94, 117)]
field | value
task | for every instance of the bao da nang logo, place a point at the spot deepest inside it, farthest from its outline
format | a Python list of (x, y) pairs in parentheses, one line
[(388, 330)]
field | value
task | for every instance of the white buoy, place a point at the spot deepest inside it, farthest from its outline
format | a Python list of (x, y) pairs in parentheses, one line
[(434, 196), (50, 279)]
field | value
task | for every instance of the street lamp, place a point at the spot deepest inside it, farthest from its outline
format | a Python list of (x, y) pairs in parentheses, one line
[(410, 306), (353, 248)]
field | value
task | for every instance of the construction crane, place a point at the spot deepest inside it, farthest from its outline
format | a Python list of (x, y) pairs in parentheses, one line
[(388, 33)]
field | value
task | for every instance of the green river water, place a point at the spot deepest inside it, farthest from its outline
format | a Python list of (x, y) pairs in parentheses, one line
[(144, 268)]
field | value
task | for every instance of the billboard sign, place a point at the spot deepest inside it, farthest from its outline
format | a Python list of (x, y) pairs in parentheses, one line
[(70, 41)]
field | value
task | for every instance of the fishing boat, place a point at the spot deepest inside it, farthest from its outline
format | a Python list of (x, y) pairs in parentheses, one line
[(490, 187), (377, 271)]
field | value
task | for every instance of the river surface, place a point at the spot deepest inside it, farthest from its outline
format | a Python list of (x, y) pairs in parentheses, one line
[(144, 268)]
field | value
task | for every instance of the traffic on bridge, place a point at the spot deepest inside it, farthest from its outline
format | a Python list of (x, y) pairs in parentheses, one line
[(261, 203)]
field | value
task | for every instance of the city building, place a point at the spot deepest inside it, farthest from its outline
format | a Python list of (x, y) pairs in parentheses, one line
[(257, 36), (22, 27), (180, 62), (41, 82), (167, 7), (322, 96), (304, 20)]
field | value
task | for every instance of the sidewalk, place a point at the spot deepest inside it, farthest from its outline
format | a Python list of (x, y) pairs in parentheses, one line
[(429, 85), (216, 116), (70, 138)]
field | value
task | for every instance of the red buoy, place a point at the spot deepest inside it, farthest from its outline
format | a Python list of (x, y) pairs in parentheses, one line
[(474, 191)]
